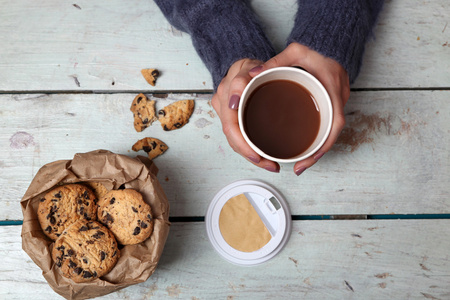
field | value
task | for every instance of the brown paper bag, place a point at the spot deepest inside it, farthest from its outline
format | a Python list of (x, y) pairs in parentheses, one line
[(137, 262)]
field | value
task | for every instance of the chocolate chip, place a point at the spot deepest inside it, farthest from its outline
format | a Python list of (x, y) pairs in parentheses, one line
[(149, 217), (42, 199), (137, 230), (84, 228), (58, 234), (86, 195), (134, 209), (139, 100), (61, 248), (58, 262), (58, 195), (112, 200), (109, 218), (114, 254), (162, 113), (177, 125), (80, 201), (78, 271), (85, 260), (165, 128), (90, 242), (52, 220), (87, 274), (48, 229), (98, 234), (102, 255), (72, 264), (155, 73), (147, 149), (144, 225), (154, 144), (70, 252), (145, 121)]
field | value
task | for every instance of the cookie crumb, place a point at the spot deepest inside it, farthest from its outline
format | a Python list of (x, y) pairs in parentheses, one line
[(153, 146), (150, 75)]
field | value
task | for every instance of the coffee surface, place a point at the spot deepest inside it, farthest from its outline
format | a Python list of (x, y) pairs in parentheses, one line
[(281, 118)]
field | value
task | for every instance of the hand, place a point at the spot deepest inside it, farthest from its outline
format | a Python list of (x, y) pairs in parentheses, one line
[(333, 77), (226, 103)]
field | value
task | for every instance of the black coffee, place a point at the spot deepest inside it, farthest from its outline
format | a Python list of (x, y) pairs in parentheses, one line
[(281, 118)]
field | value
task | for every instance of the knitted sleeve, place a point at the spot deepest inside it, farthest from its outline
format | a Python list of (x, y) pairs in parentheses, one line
[(222, 31), (336, 28)]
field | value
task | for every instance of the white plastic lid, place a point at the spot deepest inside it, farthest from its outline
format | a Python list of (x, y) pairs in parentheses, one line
[(271, 207)]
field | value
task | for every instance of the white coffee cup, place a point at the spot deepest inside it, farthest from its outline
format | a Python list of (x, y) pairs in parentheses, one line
[(315, 88)]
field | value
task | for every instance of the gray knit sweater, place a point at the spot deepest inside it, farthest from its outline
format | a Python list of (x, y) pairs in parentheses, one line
[(224, 31)]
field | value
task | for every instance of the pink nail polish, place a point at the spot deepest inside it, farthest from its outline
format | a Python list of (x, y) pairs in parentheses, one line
[(318, 155), (299, 171), (273, 169), (234, 102), (254, 159), (256, 69)]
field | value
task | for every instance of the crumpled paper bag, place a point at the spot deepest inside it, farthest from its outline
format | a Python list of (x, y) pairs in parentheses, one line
[(137, 262)]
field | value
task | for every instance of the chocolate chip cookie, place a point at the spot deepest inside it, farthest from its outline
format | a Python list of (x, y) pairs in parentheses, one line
[(143, 112), (64, 205), (154, 147), (85, 251), (150, 75), (127, 215), (176, 115)]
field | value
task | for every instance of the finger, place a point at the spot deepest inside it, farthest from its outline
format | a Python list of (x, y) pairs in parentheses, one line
[(230, 127), (293, 55), (336, 128), (238, 84)]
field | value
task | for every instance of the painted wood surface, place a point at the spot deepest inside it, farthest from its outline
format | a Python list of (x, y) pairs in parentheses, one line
[(102, 46), (392, 156), (358, 259)]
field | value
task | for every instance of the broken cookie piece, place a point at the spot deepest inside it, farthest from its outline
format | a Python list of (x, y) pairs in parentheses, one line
[(143, 111), (152, 146), (150, 75), (176, 115)]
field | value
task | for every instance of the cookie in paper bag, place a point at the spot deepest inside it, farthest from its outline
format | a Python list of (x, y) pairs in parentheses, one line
[(64, 205), (85, 251), (127, 215)]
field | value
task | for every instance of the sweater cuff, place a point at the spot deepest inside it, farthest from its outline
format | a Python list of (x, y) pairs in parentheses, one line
[(222, 32), (336, 29)]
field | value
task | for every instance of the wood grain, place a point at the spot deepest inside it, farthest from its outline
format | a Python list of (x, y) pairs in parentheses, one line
[(102, 46), (358, 259), (392, 156)]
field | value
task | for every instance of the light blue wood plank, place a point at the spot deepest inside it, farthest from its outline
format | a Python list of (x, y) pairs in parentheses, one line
[(102, 46), (392, 156), (345, 259)]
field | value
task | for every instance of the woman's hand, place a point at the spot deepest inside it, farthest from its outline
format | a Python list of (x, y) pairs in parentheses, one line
[(226, 103), (333, 77)]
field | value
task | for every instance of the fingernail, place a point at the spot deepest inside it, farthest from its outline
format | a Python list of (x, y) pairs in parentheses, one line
[(318, 155), (299, 171), (273, 169), (256, 69), (234, 102), (255, 159)]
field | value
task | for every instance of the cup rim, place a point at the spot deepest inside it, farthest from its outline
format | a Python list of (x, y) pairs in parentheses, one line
[(328, 104)]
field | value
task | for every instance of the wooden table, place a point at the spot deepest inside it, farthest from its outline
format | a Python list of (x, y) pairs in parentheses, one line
[(370, 221)]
